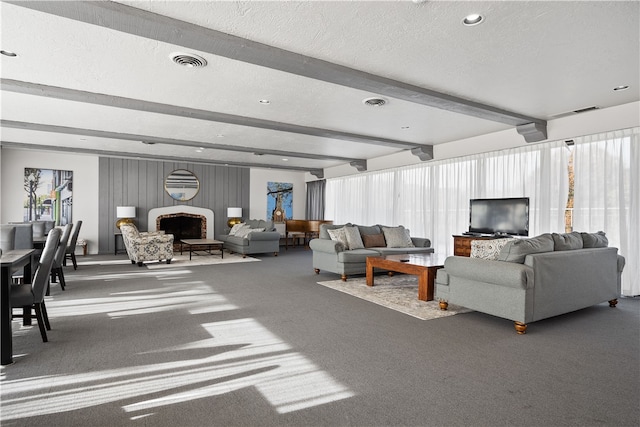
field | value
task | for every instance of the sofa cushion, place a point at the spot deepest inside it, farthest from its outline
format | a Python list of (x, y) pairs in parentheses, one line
[(356, 255), (237, 227), (323, 234), (373, 240), (353, 237), (369, 229), (567, 241), (594, 240), (261, 223), (339, 235), (397, 237), (487, 249), (244, 231), (517, 249)]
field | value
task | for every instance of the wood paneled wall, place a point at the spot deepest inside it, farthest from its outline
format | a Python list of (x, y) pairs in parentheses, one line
[(140, 183)]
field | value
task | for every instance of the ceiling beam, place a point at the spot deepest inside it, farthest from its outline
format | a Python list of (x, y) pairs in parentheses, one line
[(191, 113), (153, 26), (141, 156), (159, 140)]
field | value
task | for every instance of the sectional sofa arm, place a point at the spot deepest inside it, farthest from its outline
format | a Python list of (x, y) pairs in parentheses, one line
[(421, 242), (263, 235), (326, 245), (501, 273)]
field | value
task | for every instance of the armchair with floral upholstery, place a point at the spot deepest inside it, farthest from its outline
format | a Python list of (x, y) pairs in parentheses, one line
[(146, 246)]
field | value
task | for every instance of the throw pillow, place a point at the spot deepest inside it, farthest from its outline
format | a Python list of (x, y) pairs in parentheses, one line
[(244, 231), (567, 241), (517, 249), (236, 227), (339, 235), (353, 237), (487, 249), (373, 240), (594, 240), (397, 237)]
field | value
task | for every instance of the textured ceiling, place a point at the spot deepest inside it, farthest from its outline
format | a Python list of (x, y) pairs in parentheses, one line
[(97, 77)]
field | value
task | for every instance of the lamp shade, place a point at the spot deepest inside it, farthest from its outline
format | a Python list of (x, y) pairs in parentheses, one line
[(234, 212), (125, 212)]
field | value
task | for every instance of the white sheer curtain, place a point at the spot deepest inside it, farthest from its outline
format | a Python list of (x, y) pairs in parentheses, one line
[(361, 199), (432, 199), (607, 195)]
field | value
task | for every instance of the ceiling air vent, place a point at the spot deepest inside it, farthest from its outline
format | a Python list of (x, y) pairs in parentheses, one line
[(188, 60), (584, 110), (374, 102)]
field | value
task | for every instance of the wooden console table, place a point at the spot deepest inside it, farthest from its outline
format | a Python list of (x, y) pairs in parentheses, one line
[(462, 244)]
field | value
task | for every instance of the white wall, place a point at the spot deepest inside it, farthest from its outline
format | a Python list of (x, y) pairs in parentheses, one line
[(85, 186), (258, 191), (592, 122)]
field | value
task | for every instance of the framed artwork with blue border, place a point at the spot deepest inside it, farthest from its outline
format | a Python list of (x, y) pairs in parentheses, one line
[(279, 201)]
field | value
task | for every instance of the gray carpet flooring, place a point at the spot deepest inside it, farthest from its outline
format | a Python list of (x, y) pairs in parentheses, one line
[(262, 344)]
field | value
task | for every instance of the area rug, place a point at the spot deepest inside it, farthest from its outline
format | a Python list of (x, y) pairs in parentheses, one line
[(181, 261), (399, 293)]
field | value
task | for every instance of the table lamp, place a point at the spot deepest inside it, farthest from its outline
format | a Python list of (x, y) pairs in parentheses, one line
[(234, 215), (125, 214)]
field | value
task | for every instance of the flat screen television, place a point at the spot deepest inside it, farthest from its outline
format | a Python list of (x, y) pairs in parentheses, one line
[(499, 216)]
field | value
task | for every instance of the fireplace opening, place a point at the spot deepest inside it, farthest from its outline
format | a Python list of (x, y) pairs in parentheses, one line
[(182, 227)]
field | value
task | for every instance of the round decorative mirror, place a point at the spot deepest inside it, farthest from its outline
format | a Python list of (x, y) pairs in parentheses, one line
[(181, 185)]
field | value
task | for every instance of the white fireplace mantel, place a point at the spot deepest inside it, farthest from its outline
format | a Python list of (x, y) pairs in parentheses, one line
[(154, 213)]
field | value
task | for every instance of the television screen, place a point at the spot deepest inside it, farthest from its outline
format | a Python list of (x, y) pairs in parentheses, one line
[(504, 216)]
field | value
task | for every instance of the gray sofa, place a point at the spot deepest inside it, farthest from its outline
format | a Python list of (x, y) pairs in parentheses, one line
[(337, 257), (254, 242), (532, 279)]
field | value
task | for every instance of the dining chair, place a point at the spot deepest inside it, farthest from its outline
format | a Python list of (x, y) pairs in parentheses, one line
[(31, 296), (38, 228), (24, 236), (58, 258), (71, 246), (7, 237)]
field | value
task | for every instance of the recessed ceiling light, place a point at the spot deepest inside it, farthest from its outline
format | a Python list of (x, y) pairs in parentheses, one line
[(285, 159), (621, 87), (188, 60), (374, 102), (473, 19), (148, 142), (264, 101), (219, 135), (404, 127), (8, 53)]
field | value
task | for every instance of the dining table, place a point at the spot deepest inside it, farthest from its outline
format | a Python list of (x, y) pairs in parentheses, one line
[(10, 262)]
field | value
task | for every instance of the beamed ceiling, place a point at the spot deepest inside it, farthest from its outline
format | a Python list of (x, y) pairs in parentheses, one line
[(98, 77)]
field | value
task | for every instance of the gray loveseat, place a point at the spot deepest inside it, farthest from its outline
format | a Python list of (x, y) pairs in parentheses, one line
[(344, 259), (532, 279), (259, 236)]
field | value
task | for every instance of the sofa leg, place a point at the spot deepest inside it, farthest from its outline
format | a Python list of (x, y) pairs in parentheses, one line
[(613, 302), (317, 270), (443, 305), (390, 273), (343, 277), (275, 254), (521, 328), (139, 263), (244, 255), (168, 261)]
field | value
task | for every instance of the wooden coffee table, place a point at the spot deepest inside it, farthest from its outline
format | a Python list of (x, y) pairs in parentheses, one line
[(422, 265), (206, 245)]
